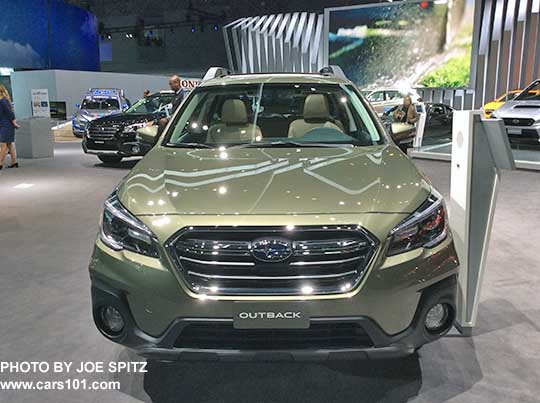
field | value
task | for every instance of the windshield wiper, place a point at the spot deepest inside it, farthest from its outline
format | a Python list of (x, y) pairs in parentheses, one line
[(189, 145), (289, 143)]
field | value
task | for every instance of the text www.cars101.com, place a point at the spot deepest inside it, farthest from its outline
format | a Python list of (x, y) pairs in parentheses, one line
[(68, 384)]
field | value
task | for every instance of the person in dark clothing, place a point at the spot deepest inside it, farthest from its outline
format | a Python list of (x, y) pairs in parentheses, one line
[(174, 85), (8, 124), (179, 93)]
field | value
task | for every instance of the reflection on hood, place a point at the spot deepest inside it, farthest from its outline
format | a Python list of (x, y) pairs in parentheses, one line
[(274, 181)]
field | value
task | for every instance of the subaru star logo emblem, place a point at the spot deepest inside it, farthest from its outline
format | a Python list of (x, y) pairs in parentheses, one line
[(271, 249), (515, 121)]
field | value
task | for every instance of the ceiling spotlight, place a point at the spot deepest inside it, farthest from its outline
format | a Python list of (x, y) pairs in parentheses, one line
[(193, 29)]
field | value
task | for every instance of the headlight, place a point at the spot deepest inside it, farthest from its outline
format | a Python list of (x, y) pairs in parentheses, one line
[(81, 122), (426, 227), (121, 230), (134, 127)]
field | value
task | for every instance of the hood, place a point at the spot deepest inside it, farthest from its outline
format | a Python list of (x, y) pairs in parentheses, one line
[(519, 110), (94, 113), (493, 105), (274, 181), (125, 118)]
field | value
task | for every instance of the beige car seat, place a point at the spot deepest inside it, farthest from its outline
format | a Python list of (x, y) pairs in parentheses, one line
[(316, 115), (234, 126)]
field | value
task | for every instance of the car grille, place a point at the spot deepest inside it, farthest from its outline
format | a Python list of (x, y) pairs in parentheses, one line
[(518, 122), (525, 134), (223, 336), (103, 131), (222, 261)]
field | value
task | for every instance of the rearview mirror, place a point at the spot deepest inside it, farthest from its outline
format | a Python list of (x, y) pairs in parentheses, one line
[(148, 134)]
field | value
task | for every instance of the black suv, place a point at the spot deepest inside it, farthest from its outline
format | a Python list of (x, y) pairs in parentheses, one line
[(113, 137)]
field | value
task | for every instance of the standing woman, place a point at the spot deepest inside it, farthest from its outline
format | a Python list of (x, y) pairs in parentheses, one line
[(8, 124)]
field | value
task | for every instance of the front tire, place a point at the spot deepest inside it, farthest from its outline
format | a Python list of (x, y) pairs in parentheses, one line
[(110, 159)]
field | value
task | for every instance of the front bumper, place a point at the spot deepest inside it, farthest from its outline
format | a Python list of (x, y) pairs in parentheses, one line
[(389, 305), (524, 135), (109, 147), (382, 345)]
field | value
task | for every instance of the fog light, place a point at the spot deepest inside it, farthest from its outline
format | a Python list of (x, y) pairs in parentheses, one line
[(135, 149), (437, 317), (111, 320)]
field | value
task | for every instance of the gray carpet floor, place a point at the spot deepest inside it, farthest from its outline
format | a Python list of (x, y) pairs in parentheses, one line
[(46, 236)]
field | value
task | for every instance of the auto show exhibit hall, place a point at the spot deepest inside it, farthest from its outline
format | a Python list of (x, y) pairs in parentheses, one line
[(50, 218)]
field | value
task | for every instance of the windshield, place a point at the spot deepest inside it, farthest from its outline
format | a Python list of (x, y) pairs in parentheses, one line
[(532, 93), (152, 104), (274, 115), (100, 103), (508, 97), (376, 96)]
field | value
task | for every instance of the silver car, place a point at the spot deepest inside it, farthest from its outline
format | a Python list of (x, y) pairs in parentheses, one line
[(521, 117), (98, 102)]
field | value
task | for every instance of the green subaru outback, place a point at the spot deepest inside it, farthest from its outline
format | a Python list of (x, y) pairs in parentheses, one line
[(274, 218)]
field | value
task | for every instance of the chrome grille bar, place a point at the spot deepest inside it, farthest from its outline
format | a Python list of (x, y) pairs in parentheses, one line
[(217, 262), (218, 276), (324, 262)]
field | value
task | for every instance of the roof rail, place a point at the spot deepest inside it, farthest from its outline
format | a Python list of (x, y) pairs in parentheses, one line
[(216, 72), (333, 70)]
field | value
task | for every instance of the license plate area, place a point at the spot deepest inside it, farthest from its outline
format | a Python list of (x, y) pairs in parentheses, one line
[(262, 315)]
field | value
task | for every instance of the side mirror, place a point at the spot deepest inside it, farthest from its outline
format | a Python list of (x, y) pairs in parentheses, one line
[(148, 134)]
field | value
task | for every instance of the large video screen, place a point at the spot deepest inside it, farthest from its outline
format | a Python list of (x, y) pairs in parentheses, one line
[(403, 44), (21, 46), (74, 38), (61, 36)]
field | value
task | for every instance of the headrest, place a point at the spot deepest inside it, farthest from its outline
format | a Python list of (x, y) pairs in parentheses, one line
[(315, 107), (233, 112)]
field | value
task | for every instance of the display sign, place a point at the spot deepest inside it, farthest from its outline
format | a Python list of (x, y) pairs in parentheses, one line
[(480, 149), (189, 84), (40, 103)]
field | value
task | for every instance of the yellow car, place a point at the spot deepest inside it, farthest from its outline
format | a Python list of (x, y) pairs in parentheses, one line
[(497, 103)]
